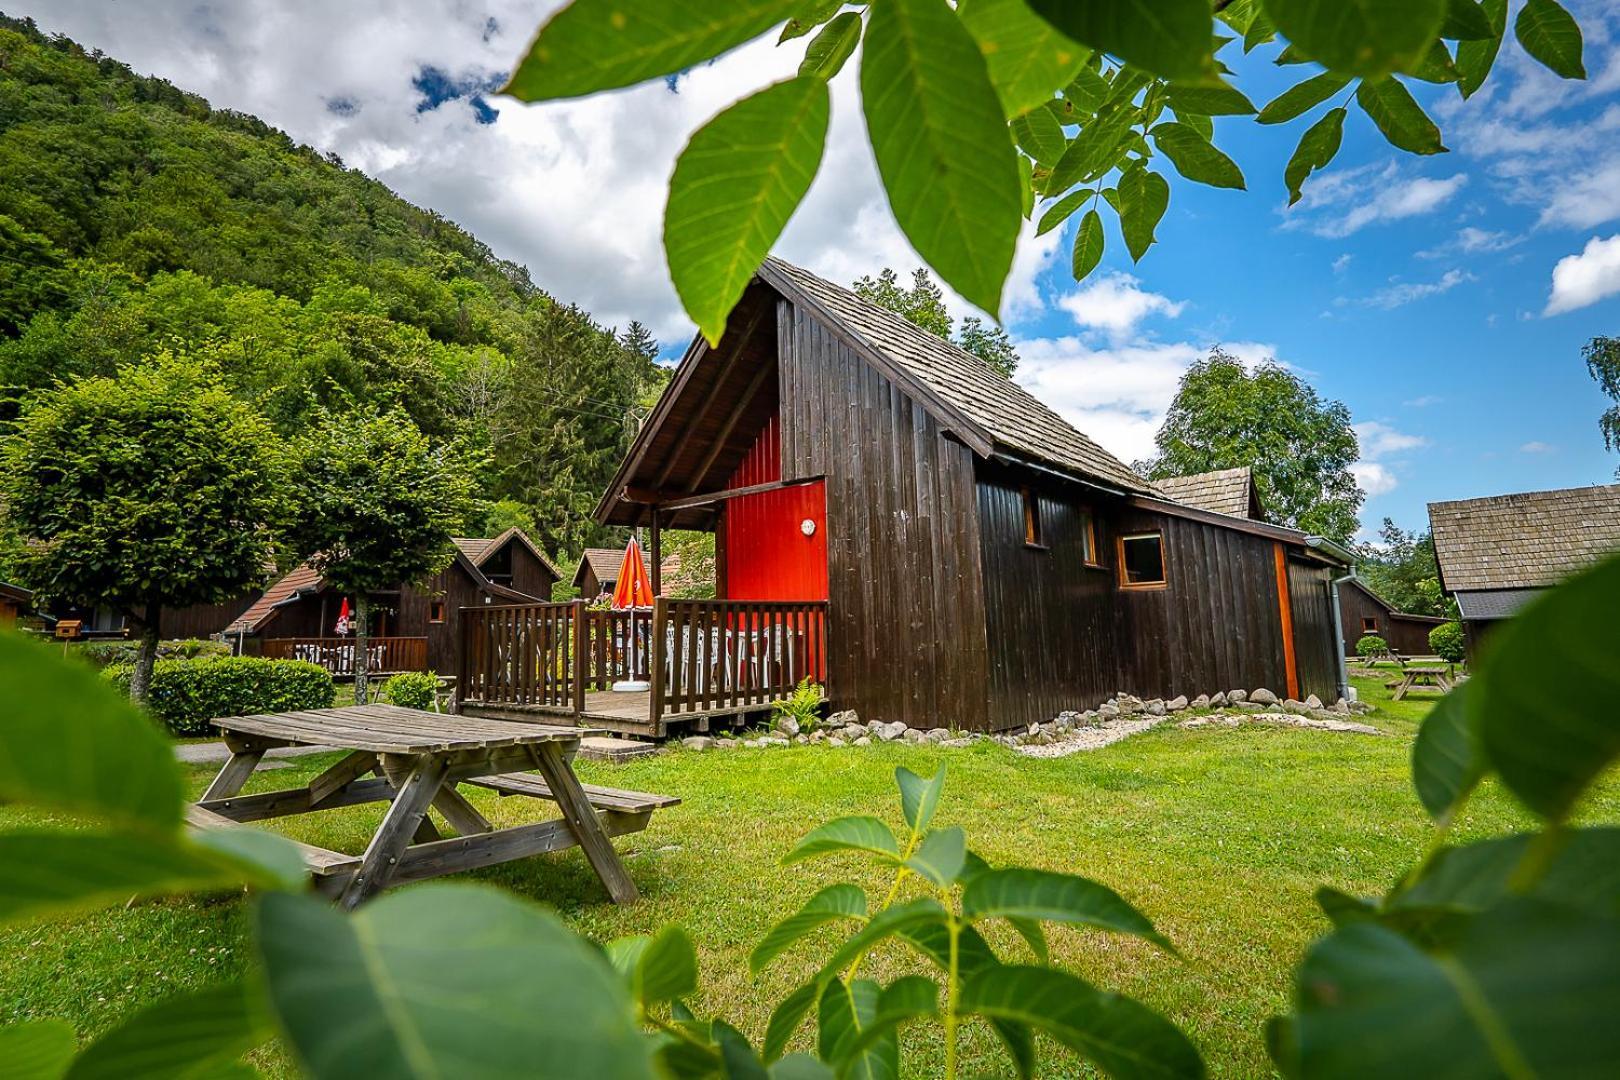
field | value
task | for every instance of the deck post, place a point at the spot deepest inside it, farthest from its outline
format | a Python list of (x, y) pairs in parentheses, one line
[(656, 671), (579, 657), (657, 555)]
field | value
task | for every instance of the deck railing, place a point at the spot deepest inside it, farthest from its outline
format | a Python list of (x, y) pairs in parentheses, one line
[(731, 654), (520, 654), (384, 655)]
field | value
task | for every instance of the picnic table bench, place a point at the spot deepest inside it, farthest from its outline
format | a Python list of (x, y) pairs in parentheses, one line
[(1414, 677), (414, 760)]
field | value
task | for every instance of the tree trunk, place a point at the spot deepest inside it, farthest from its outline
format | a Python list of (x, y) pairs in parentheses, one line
[(362, 629), (140, 681)]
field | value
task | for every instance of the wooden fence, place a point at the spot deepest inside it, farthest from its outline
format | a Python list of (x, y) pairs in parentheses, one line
[(385, 655), (728, 655), (520, 654)]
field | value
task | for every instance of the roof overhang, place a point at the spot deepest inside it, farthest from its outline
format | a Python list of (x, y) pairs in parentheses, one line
[(1326, 551), (1486, 605)]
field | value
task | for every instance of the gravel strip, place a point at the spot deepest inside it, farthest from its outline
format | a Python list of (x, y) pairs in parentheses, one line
[(1093, 738), (1285, 719)]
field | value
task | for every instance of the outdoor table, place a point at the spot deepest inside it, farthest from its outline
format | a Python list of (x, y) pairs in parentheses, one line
[(1437, 678), (413, 760)]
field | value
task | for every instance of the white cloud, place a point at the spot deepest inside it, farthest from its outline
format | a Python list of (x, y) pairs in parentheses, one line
[(1402, 293), (1537, 447), (1373, 196), (1342, 263), (1373, 478), (1116, 303), (1584, 279), (1423, 402), (1586, 199), (1380, 440), (1471, 240)]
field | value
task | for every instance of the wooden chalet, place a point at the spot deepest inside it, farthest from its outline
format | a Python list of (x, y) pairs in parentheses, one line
[(1364, 612), (413, 628), (15, 601), (1497, 554), (899, 522), (598, 571)]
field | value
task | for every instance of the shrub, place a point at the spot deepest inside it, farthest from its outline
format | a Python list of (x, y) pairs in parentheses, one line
[(122, 651), (1447, 642), (412, 690), (1372, 645), (186, 694), (803, 705)]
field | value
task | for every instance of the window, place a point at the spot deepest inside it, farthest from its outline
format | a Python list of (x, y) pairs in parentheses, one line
[(1141, 560), (1369, 626), (436, 611), (1088, 539), (1032, 519)]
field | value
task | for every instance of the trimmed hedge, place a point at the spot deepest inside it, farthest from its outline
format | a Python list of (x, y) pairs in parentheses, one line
[(186, 694), (1447, 642), (412, 689)]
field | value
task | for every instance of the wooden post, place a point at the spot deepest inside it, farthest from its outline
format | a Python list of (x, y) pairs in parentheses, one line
[(657, 557), (656, 659), (414, 795), (579, 657)]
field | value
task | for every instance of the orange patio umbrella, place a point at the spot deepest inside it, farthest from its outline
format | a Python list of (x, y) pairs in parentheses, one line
[(633, 590)]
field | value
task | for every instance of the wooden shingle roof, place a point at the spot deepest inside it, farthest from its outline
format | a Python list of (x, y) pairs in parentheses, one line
[(1225, 491), (1529, 540), (996, 406)]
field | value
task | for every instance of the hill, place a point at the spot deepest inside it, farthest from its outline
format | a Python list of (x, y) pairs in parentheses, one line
[(135, 218)]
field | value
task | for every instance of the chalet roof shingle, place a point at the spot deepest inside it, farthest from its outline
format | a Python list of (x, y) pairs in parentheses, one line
[(1008, 413), (605, 563), (1225, 491), (1524, 541)]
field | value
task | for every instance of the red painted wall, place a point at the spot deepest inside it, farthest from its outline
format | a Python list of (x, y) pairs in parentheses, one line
[(768, 557)]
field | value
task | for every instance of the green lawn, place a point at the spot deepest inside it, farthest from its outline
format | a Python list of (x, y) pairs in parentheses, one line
[(1221, 836)]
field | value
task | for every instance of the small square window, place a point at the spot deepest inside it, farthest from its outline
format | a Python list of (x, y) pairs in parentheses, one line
[(436, 611), (1141, 560), (1369, 626), (1032, 519)]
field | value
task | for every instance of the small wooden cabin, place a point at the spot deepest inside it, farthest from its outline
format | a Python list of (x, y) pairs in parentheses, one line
[(15, 601), (413, 628), (1364, 612), (897, 520)]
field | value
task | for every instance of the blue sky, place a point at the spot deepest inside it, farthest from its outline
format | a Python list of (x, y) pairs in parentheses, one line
[(1415, 290)]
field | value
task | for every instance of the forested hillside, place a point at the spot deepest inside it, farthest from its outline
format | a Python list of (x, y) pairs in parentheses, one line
[(136, 220)]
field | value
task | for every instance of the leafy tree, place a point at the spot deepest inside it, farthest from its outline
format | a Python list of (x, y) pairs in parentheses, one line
[(924, 305), (1097, 96), (1401, 567), (374, 506), (1602, 355), (1299, 446), (148, 489)]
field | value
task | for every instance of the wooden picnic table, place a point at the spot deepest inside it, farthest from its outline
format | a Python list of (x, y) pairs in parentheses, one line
[(413, 760), (1414, 677)]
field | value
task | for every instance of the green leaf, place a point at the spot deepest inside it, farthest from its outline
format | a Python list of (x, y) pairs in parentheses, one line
[(1195, 157), (919, 798), (1475, 58), (1301, 99), (51, 872), (1060, 211), (1027, 57), (942, 145), (1584, 874), (911, 997), (824, 57), (800, 1067), (37, 1050), (594, 45), (182, 1035), (446, 980), (1039, 135), (625, 953), (1341, 908), (735, 186), (1550, 737), (274, 861), (1218, 100), (1282, 1045), (817, 14), (737, 1057), (832, 904), (1121, 1037), (1317, 147), (1035, 937), (846, 834), (844, 1011), (1527, 989), (1551, 35), (1466, 20), (667, 968), (1399, 116), (1436, 66), (1172, 38), (1065, 898), (891, 921), (70, 742), (940, 856), (1359, 37), (1026, 186), (787, 1016), (1201, 124), (1088, 245), (1096, 150), (1086, 92), (1144, 196), (1447, 762)]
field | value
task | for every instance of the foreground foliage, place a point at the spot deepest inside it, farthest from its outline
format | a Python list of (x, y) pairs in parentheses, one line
[(979, 111)]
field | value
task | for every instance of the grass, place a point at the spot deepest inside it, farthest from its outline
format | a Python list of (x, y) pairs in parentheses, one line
[(1220, 835)]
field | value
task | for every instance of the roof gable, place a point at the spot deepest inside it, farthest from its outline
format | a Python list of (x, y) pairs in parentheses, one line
[(1225, 491), (1528, 540)]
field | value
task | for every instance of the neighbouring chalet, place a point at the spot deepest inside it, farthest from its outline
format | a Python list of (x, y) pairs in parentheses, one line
[(598, 571), (15, 601), (898, 521), (1365, 612), (1498, 553), (413, 628)]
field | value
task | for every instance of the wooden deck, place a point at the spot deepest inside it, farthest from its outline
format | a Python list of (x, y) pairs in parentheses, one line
[(623, 713)]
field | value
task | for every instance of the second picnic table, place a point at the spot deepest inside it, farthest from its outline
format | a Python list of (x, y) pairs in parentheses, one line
[(1413, 677), (418, 758)]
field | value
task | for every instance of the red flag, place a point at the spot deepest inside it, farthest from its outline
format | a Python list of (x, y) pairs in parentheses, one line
[(634, 587), (343, 618)]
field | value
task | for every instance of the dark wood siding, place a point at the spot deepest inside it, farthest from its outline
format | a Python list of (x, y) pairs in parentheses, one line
[(1316, 639), (1405, 634), (906, 633), (204, 620)]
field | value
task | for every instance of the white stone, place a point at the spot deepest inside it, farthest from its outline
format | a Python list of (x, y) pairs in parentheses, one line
[(1313, 702), (1262, 696), (1236, 697), (938, 735), (864, 740), (1201, 701), (837, 740), (698, 742), (1176, 704), (1219, 700)]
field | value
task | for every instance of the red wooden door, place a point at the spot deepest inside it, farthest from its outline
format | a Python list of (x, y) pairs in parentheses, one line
[(771, 554)]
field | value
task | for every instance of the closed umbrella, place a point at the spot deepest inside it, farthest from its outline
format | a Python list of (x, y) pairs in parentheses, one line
[(631, 592)]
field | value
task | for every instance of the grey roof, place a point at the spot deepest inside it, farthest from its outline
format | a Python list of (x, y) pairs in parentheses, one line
[(1225, 491), (1008, 413), (1528, 540), (1493, 603)]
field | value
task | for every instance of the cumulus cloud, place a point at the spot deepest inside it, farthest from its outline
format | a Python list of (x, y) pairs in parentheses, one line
[(1340, 203), (1400, 294), (1373, 478), (574, 190), (1115, 303), (1582, 280), (1380, 440)]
